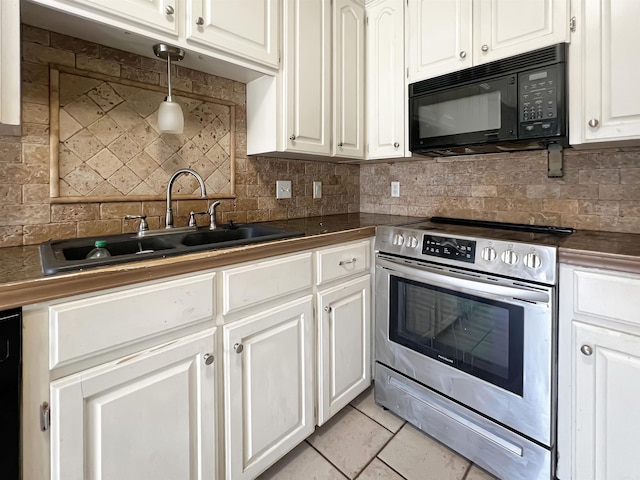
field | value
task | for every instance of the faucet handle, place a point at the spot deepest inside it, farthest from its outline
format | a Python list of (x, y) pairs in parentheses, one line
[(212, 214), (192, 218), (144, 226)]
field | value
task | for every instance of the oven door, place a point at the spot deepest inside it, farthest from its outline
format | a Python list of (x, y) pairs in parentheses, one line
[(484, 342), (474, 114)]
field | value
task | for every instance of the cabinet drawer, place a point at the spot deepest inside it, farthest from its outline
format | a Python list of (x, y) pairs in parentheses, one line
[(607, 296), (343, 261), (81, 328), (256, 283)]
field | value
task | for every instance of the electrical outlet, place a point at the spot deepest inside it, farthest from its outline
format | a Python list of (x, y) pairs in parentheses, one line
[(317, 189), (283, 188), (395, 189)]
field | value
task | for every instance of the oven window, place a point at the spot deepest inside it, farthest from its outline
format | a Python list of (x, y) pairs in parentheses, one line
[(482, 337)]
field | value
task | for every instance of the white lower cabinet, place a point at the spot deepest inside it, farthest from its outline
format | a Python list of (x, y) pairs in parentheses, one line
[(344, 353), (599, 375), (146, 416), (268, 372)]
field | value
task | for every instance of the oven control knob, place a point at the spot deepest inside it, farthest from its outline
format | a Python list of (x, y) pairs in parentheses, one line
[(532, 260), (509, 257), (489, 254), (412, 242), (398, 239)]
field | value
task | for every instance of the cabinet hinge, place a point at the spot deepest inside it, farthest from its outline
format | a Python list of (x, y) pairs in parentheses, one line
[(407, 72), (45, 416), (366, 21), (572, 24)]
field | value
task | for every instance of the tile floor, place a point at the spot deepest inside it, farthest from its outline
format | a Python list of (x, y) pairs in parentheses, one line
[(365, 442)]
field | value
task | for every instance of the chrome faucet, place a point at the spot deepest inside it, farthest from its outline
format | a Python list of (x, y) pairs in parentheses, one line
[(203, 192), (212, 214)]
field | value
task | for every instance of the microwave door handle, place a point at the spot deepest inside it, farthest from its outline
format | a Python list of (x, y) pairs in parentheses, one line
[(475, 287)]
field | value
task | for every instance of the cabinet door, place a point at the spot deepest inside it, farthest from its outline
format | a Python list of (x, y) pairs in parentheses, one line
[(307, 76), (502, 28), (159, 15), (439, 37), (606, 416), (247, 28), (10, 67), (268, 372), (348, 79), (604, 78), (344, 345), (145, 416), (385, 79)]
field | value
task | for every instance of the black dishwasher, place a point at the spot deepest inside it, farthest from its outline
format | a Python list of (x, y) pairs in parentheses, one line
[(10, 381)]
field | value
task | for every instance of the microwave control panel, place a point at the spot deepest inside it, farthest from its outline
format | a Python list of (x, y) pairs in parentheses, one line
[(538, 101), (448, 247)]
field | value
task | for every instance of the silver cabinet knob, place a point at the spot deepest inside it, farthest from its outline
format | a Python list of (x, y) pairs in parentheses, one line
[(208, 358), (593, 123), (484, 48), (200, 21), (292, 137), (463, 54), (586, 350), (396, 145), (328, 309), (169, 10), (238, 348)]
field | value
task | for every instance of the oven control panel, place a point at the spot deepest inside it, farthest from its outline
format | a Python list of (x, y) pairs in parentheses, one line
[(500, 255), (459, 249)]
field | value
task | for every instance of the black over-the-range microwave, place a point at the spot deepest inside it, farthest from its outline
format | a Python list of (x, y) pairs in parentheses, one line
[(517, 103)]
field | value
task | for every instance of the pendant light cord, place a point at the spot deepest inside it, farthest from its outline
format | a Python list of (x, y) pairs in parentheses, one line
[(169, 99)]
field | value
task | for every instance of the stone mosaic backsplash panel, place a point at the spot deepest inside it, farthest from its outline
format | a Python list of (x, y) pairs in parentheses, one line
[(110, 148), (600, 189), (27, 214)]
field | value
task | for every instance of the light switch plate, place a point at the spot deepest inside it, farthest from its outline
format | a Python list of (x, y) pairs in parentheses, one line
[(395, 189), (283, 188), (317, 189)]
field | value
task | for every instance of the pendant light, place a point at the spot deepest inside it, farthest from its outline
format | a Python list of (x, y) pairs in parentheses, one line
[(170, 117)]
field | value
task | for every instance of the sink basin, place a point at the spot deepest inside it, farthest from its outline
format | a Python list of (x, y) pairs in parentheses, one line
[(68, 255), (238, 235)]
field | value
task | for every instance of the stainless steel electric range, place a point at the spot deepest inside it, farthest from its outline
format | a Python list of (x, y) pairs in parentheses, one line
[(466, 336)]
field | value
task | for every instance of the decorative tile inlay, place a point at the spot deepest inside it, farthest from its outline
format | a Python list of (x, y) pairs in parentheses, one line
[(110, 148)]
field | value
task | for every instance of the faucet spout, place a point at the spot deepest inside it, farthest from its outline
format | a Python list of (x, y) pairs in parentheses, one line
[(203, 192)]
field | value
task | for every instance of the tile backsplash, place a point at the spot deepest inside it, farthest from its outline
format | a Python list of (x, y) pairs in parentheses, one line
[(600, 190), (27, 216)]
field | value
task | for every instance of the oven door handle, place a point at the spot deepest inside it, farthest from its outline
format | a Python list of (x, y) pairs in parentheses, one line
[(452, 281)]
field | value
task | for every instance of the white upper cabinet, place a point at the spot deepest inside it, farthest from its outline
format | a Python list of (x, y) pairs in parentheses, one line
[(348, 79), (604, 74), (315, 105), (10, 67), (385, 85), (248, 28), (158, 15), (439, 37), (503, 28), (307, 77), (449, 35)]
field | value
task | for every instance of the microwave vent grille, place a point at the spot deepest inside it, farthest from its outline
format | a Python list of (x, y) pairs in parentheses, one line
[(535, 58)]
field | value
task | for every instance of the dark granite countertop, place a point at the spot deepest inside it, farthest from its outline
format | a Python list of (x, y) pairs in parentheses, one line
[(22, 281)]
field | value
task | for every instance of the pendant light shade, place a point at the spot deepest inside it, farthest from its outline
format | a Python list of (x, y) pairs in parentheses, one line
[(170, 117)]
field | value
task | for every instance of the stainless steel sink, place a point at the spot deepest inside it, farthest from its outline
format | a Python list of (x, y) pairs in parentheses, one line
[(68, 255)]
